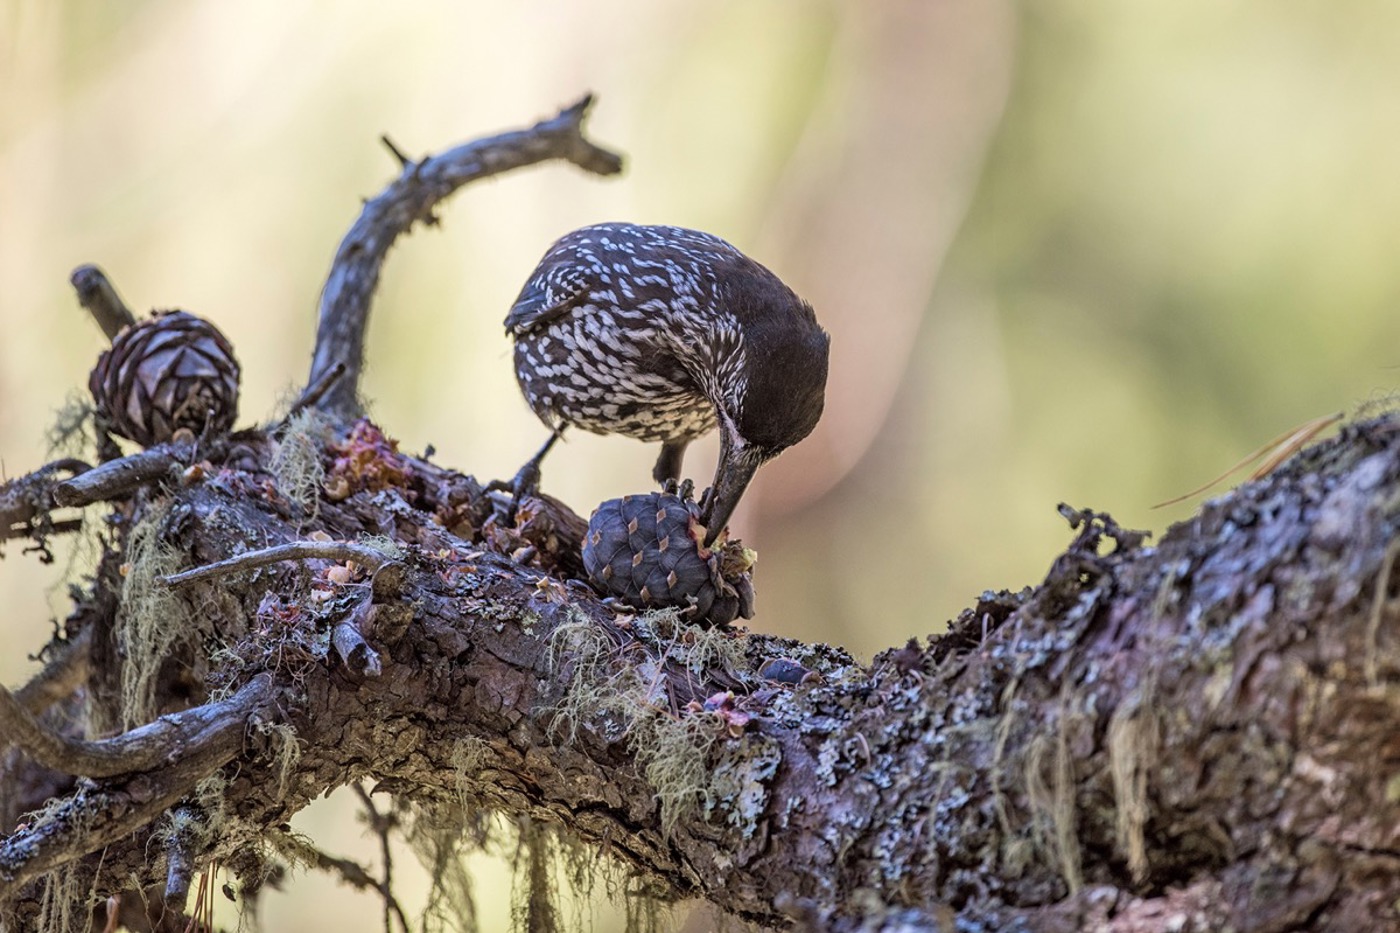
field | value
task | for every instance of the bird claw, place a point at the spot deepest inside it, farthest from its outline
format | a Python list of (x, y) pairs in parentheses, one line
[(522, 486), (683, 489), (526, 482)]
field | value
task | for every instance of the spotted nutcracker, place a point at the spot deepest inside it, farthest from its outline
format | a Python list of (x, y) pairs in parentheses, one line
[(661, 333)]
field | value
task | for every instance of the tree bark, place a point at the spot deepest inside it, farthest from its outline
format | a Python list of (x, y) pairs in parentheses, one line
[(1197, 735)]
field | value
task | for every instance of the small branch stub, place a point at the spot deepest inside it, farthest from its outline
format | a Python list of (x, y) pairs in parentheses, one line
[(97, 294), (117, 478)]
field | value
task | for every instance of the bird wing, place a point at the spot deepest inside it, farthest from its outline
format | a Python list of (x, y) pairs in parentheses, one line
[(549, 295)]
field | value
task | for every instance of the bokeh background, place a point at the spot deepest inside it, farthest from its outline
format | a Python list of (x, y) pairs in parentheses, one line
[(1068, 250)]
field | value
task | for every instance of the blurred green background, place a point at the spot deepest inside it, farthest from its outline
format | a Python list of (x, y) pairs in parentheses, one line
[(1072, 250)]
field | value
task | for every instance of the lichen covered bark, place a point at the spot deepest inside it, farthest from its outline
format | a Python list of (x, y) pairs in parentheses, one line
[(1201, 730)]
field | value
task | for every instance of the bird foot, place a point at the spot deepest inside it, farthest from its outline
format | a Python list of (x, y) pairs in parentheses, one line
[(523, 485), (526, 481), (684, 489)]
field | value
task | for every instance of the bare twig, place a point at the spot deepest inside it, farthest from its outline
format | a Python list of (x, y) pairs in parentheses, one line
[(158, 743), (117, 478), (97, 815), (404, 161), (382, 824), (316, 390), (354, 274), (349, 641), (361, 554), (97, 294)]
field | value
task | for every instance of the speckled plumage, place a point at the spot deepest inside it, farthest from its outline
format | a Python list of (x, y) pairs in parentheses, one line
[(660, 333)]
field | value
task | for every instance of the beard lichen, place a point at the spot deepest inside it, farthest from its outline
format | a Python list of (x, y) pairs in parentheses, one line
[(67, 892), (674, 756), (1054, 814), (554, 876), (152, 620), (672, 751), (582, 645), (298, 465), (286, 751), (442, 835), (62, 907), (1134, 746)]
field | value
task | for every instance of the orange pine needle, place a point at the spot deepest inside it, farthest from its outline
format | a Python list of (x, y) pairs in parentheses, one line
[(1276, 451)]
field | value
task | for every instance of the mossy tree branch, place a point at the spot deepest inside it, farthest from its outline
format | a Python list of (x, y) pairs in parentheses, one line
[(1190, 717)]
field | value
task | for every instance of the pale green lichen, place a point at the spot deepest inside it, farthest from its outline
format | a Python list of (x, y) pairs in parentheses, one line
[(673, 755), (672, 752), (383, 544), (298, 460), (152, 620), (286, 751)]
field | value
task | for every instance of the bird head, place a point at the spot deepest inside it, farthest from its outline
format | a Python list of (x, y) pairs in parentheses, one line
[(774, 397)]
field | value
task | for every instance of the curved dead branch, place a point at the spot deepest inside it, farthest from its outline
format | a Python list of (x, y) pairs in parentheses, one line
[(411, 198), (164, 742), (99, 815)]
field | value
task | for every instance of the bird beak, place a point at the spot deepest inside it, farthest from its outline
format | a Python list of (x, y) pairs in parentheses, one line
[(737, 465)]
